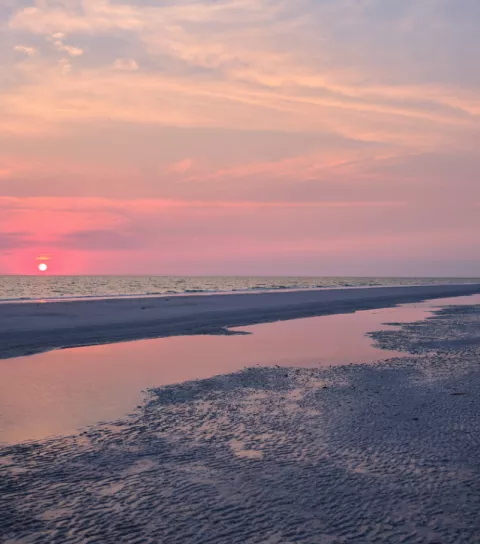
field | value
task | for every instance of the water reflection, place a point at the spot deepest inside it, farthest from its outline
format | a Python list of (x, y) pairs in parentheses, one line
[(60, 392)]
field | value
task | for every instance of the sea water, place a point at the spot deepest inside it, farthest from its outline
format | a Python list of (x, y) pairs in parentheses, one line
[(24, 288)]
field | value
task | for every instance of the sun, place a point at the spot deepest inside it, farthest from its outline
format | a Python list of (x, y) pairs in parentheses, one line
[(42, 267)]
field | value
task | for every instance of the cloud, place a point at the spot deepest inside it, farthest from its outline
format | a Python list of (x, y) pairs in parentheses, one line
[(128, 65), (98, 240), (56, 40), (155, 205), (70, 50), (64, 67), (13, 240), (212, 37), (29, 51), (182, 166)]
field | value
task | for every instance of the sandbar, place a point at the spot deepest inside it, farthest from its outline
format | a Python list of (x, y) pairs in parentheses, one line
[(37, 327)]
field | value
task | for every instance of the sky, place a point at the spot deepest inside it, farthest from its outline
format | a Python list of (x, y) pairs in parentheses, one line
[(249, 137)]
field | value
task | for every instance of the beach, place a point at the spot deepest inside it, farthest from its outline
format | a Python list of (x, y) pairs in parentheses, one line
[(35, 327), (381, 452), (239, 272)]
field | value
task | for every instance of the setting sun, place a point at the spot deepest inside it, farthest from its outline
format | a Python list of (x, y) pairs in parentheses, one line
[(42, 267)]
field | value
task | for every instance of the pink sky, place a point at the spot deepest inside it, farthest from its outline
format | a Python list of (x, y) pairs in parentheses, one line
[(314, 137)]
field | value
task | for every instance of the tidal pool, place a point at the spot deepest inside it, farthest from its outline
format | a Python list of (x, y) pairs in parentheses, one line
[(60, 392)]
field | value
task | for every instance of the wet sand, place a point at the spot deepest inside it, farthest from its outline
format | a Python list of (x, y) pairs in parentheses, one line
[(36, 327), (358, 453)]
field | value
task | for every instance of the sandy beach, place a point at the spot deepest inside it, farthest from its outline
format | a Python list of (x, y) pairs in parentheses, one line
[(369, 453), (239, 272), (35, 327)]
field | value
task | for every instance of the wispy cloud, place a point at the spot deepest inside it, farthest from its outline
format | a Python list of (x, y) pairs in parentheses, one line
[(29, 51), (235, 52), (13, 240), (128, 65)]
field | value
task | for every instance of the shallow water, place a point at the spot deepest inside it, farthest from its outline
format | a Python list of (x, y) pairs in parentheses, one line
[(60, 392)]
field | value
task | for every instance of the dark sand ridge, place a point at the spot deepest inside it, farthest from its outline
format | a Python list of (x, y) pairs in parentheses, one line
[(384, 453), (35, 327)]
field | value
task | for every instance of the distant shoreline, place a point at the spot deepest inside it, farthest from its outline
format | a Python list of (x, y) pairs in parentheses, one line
[(30, 328)]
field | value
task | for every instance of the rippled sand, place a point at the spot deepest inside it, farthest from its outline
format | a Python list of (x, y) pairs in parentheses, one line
[(370, 453)]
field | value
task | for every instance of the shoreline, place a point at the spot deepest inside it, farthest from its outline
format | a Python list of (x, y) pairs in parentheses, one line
[(30, 328)]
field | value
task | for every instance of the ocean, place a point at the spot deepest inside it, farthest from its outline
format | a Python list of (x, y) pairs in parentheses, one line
[(25, 288)]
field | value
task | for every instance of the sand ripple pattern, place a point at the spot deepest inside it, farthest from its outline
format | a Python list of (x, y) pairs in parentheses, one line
[(386, 453)]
